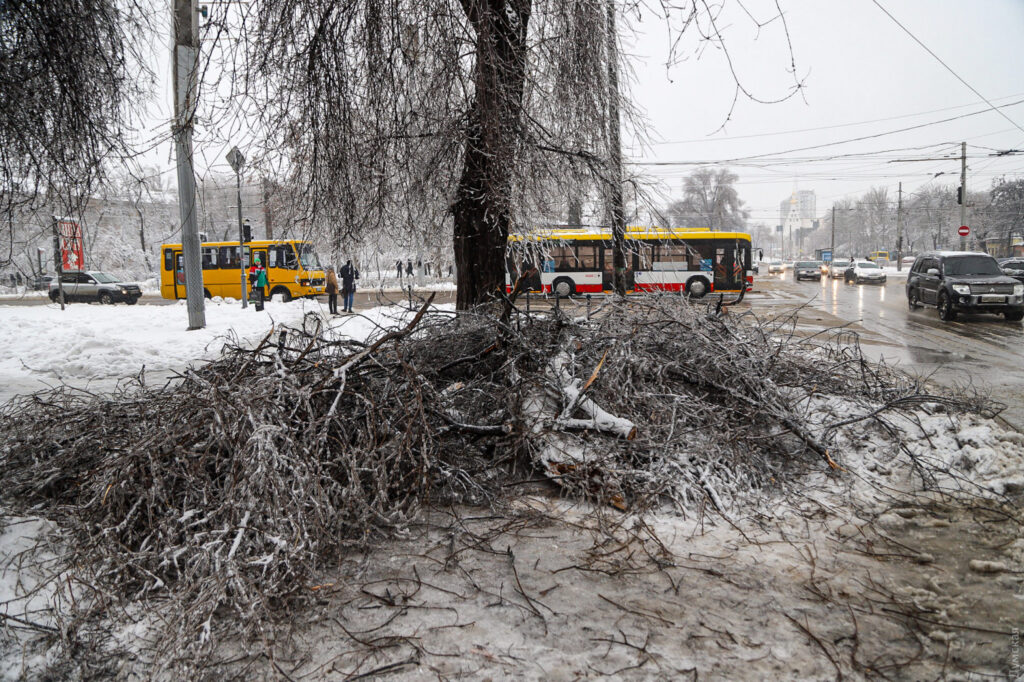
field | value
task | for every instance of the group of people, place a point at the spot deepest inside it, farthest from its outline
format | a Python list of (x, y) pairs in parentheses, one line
[(348, 275), (407, 268)]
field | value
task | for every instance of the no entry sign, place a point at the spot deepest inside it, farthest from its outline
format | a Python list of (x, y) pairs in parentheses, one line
[(964, 231)]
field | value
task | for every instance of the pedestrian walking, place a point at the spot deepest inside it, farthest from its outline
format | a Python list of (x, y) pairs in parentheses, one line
[(258, 278), (398, 264), (408, 267), (332, 290), (348, 275)]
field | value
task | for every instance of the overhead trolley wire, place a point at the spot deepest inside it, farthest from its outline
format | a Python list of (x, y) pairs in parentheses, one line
[(993, 107)]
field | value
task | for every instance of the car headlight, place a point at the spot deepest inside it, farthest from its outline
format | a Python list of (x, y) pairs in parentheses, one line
[(1018, 289), (961, 289), (124, 291)]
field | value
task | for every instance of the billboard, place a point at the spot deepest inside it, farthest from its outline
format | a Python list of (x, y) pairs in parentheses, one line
[(71, 245)]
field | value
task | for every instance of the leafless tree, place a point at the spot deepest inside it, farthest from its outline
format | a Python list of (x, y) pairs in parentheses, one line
[(1006, 210), (710, 199), (69, 78), (477, 117)]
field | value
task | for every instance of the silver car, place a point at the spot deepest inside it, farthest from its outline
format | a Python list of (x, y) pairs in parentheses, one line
[(94, 286), (807, 269)]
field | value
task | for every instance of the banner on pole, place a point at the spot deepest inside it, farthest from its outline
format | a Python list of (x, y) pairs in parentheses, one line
[(72, 249)]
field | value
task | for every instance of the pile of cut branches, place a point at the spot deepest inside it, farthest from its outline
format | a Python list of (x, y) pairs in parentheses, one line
[(229, 491)]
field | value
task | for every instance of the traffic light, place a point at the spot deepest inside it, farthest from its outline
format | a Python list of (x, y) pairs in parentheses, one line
[(960, 195), (246, 231)]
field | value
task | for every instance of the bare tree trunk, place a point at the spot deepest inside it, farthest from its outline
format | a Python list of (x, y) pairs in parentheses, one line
[(481, 211), (617, 211)]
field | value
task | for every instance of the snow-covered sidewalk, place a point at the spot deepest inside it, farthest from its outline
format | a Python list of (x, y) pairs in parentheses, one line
[(94, 346)]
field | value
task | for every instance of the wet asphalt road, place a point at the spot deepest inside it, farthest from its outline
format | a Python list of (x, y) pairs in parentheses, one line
[(977, 350)]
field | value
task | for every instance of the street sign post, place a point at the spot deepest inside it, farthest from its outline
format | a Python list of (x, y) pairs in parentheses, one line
[(237, 161), (964, 231)]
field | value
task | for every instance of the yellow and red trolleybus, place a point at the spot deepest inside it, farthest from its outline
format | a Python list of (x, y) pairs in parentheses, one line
[(570, 261)]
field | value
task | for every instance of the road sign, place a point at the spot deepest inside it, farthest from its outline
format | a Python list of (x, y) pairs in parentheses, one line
[(964, 231), (236, 159)]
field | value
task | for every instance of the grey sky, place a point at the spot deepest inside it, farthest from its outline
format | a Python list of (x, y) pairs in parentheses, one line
[(862, 75), (857, 66)]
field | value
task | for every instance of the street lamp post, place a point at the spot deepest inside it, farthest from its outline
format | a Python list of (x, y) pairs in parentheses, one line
[(237, 161)]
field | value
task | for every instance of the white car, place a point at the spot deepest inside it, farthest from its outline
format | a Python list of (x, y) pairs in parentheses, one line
[(864, 271), (775, 266)]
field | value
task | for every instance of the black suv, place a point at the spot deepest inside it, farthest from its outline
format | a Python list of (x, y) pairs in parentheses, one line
[(95, 286), (959, 281)]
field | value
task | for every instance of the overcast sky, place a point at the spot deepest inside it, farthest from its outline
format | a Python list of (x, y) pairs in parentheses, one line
[(863, 75)]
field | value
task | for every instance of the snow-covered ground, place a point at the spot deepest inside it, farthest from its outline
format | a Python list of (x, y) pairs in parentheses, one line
[(792, 591), (93, 346)]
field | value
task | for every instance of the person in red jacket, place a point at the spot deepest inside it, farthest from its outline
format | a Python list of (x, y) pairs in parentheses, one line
[(258, 280)]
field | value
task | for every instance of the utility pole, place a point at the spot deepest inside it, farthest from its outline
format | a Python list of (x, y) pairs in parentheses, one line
[(268, 224), (899, 230), (832, 244), (616, 209), (963, 192), (58, 261), (186, 60), (237, 161)]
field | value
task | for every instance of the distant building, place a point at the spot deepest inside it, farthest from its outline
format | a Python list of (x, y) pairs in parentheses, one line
[(797, 215)]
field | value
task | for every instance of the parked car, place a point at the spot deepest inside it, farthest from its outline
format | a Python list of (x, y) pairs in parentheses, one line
[(775, 266), (960, 281), (807, 269), (1014, 267), (862, 271), (908, 261), (95, 286), (41, 282)]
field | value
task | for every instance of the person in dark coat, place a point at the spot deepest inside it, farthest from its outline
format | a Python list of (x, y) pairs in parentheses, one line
[(332, 290), (348, 275), (408, 267), (398, 264)]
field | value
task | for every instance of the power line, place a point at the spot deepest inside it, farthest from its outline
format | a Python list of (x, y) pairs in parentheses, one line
[(854, 139), (938, 59), (727, 138)]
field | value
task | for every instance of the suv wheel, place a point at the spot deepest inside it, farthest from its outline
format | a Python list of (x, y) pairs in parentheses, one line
[(913, 300), (1014, 315), (946, 312), (105, 298)]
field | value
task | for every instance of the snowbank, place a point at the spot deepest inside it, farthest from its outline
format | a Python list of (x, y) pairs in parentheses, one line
[(94, 346)]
